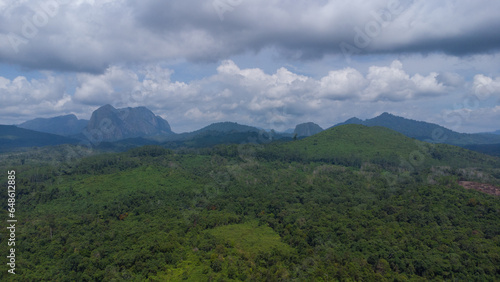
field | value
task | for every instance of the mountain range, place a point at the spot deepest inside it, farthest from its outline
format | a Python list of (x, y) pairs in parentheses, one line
[(124, 128)]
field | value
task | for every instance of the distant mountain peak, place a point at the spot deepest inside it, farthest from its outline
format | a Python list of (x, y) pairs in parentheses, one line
[(307, 129), (228, 126), (110, 124), (353, 120)]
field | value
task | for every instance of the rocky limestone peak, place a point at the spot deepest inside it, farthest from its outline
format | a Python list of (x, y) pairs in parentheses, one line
[(307, 129), (110, 124)]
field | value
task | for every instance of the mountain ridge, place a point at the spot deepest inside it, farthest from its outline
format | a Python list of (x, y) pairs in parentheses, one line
[(109, 124), (13, 137), (425, 131), (64, 125)]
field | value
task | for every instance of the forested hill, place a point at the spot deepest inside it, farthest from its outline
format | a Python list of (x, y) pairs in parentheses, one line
[(354, 144), (259, 212), (425, 131)]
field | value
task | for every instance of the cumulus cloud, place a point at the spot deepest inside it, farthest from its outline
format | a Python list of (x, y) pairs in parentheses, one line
[(123, 87), (342, 84), (393, 83), (485, 87), (91, 36), (22, 97), (278, 100)]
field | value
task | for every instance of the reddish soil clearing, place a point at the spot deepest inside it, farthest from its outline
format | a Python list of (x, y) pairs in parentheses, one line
[(485, 188)]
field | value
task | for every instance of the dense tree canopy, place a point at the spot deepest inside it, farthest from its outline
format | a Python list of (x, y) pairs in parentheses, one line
[(254, 212)]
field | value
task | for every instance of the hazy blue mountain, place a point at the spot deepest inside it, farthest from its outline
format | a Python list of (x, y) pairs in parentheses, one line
[(61, 125), (110, 124), (307, 129), (233, 130), (496, 132), (13, 137), (425, 131), (353, 120), (214, 134), (218, 128), (228, 127)]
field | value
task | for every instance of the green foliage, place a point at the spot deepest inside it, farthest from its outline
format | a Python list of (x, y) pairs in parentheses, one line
[(352, 145), (250, 238), (428, 132), (260, 213), (490, 149)]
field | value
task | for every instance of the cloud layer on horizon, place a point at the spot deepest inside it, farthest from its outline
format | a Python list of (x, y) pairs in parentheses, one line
[(246, 95)]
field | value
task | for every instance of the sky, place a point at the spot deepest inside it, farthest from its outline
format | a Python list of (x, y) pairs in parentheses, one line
[(271, 64)]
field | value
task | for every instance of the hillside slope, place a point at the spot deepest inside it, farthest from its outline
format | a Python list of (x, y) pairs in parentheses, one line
[(425, 131), (354, 144), (62, 125), (13, 137)]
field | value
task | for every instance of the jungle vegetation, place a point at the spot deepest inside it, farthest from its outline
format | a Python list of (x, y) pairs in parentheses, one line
[(351, 203)]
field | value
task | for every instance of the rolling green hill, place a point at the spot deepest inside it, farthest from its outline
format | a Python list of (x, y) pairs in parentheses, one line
[(425, 131), (355, 144)]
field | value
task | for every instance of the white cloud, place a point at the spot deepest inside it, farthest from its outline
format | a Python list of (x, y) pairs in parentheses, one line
[(394, 84), (21, 97), (234, 92), (484, 86), (123, 87), (246, 95), (342, 84)]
